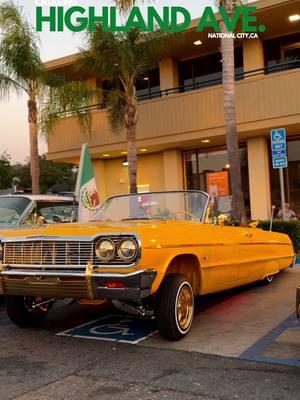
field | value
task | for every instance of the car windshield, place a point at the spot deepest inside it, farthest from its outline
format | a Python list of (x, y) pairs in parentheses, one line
[(11, 209), (167, 206)]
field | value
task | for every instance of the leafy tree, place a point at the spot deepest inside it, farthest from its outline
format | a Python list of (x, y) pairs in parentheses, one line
[(121, 59), (5, 171), (55, 177), (22, 72)]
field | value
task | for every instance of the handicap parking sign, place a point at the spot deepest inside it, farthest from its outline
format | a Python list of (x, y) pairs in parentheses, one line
[(278, 147), (278, 135), (116, 328)]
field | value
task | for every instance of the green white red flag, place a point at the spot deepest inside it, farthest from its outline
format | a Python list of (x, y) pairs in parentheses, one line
[(86, 189)]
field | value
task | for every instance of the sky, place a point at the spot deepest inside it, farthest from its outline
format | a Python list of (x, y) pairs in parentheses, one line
[(13, 113)]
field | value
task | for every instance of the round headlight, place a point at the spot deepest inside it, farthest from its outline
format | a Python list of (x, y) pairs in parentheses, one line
[(127, 249), (105, 249)]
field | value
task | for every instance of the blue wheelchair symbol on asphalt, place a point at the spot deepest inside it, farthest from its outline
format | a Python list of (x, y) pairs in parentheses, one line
[(114, 328)]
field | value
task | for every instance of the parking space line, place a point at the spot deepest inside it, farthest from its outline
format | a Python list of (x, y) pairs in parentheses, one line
[(255, 352)]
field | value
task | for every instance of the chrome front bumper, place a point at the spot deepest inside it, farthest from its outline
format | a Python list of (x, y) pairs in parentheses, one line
[(84, 285)]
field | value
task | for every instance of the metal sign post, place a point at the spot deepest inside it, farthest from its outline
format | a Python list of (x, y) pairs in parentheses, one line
[(279, 158), (282, 194)]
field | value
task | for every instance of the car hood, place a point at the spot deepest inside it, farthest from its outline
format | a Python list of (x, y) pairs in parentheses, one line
[(150, 231)]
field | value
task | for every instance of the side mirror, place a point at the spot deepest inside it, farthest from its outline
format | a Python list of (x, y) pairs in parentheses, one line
[(253, 224), (222, 219)]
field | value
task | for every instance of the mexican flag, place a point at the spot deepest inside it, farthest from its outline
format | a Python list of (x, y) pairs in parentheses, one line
[(86, 189)]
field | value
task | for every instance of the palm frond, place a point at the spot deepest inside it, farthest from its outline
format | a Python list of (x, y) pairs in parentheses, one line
[(235, 3), (68, 98), (121, 58), (7, 84), (19, 44), (125, 5)]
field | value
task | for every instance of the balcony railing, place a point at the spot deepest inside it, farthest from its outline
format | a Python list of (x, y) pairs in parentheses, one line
[(197, 85)]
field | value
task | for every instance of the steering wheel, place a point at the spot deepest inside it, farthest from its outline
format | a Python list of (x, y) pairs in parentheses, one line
[(192, 216)]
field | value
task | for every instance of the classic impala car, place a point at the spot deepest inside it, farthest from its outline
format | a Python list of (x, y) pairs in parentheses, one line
[(150, 253), (23, 210)]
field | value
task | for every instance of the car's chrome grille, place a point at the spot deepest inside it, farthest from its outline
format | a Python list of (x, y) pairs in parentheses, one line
[(56, 253), (53, 253)]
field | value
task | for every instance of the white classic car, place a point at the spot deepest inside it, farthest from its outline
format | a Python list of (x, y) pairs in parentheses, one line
[(25, 210)]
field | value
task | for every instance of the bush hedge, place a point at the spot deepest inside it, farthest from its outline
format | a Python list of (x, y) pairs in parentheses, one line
[(291, 228)]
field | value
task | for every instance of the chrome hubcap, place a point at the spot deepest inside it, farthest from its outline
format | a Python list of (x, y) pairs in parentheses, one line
[(185, 307)]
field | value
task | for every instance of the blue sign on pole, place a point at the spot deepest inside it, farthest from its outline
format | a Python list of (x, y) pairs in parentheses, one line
[(279, 162), (278, 146)]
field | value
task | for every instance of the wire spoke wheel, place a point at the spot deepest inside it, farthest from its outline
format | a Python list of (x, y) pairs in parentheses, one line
[(174, 309), (185, 307)]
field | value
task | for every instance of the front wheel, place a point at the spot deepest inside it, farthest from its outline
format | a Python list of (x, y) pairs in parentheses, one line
[(174, 307), (22, 311)]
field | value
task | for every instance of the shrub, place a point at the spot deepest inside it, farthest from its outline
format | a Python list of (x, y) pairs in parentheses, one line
[(291, 228)]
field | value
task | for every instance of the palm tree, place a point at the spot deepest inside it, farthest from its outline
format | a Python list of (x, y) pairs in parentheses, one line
[(22, 72), (121, 59), (227, 49)]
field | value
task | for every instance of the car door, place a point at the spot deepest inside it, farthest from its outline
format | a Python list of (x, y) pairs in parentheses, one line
[(223, 256)]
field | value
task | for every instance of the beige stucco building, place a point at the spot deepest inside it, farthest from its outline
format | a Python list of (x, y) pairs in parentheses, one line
[(181, 134)]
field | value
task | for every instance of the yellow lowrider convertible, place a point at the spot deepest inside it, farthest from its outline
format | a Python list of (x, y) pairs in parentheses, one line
[(150, 253)]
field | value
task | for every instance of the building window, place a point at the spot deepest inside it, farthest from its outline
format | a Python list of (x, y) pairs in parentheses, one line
[(284, 50), (207, 70), (201, 165), (148, 86), (292, 179)]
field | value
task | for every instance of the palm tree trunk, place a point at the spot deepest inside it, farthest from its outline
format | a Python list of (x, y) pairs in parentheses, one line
[(131, 121), (227, 47), (33, 140)]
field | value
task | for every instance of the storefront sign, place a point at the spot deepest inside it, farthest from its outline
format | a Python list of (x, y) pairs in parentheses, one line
[(217, 183)]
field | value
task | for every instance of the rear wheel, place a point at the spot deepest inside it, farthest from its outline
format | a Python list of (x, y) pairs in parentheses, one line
[(22, 311), (174, 307)]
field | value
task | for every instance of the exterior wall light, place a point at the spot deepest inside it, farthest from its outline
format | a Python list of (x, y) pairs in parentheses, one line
[(294, 18)]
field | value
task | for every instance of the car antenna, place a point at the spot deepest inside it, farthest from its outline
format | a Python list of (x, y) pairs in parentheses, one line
[(272, 217)]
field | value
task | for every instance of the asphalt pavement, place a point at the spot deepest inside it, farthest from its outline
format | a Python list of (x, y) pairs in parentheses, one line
[(36, 364)]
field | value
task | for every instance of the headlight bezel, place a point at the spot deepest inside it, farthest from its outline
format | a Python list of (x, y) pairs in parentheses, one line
[(113, 253), (119, 250), (118, 260)]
